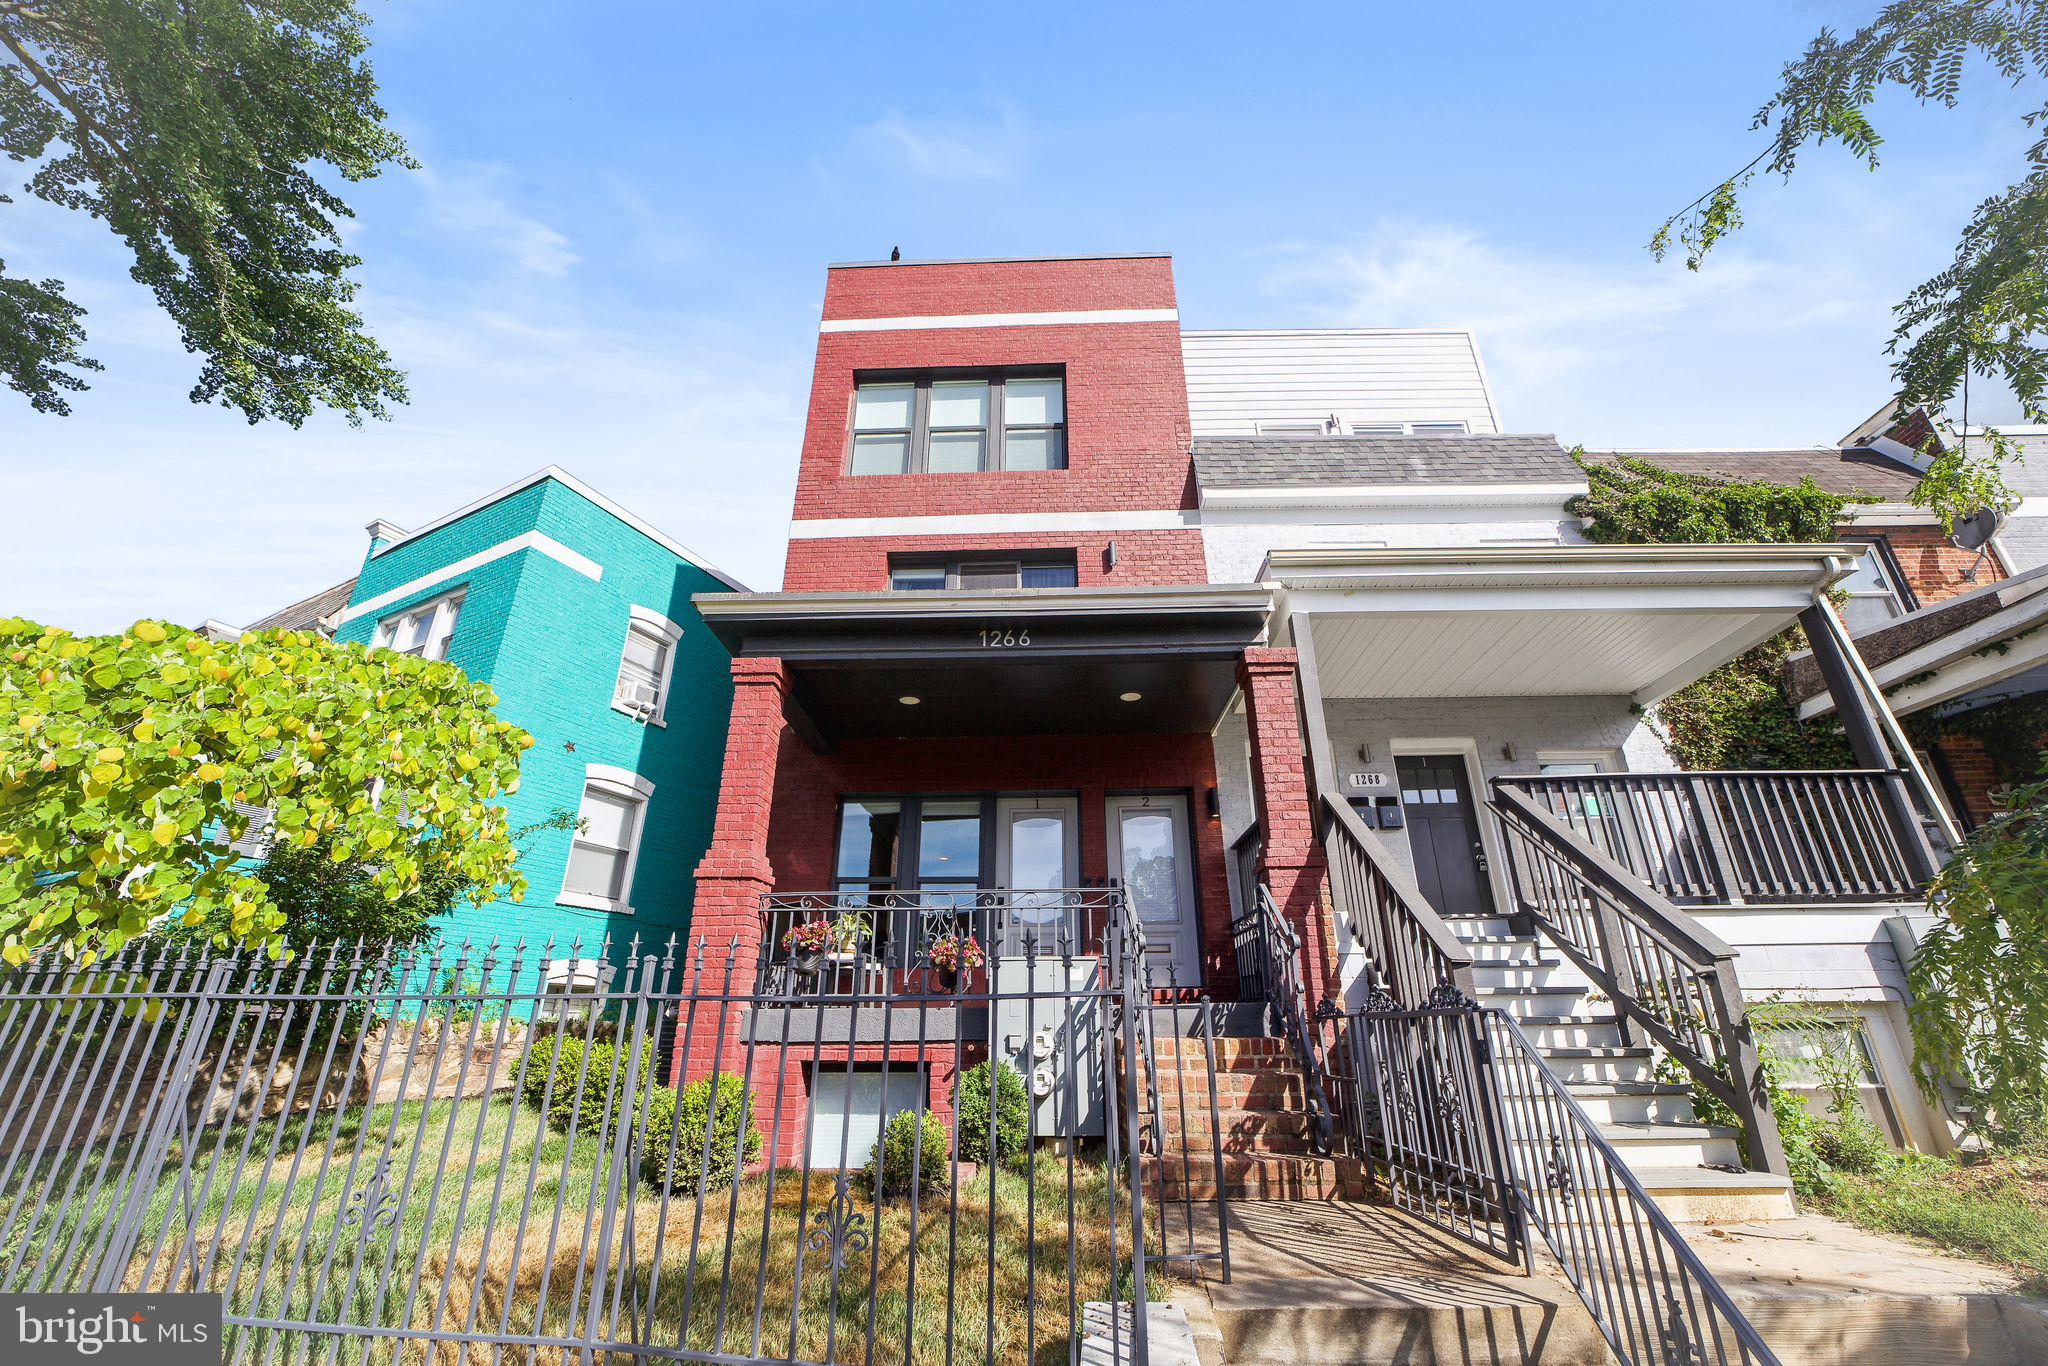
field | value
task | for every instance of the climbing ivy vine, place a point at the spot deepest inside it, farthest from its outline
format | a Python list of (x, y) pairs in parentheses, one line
[(1738, 716)]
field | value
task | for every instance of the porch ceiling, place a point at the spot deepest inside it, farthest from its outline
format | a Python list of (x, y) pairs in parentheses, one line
[(1004, 662), (1497, 621)]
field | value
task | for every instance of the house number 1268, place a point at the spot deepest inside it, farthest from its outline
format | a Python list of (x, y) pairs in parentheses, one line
[(1005, 638)]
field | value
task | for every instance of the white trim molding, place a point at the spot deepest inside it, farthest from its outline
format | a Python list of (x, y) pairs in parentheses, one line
[(1060, 318), (532, 540), (990, 523)]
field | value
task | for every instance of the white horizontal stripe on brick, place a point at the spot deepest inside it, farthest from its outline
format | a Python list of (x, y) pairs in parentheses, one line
[(532, 540), (1081, 315), (989, 523)]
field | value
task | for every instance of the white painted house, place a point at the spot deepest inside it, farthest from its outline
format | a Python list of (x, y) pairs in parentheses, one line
[(1456, 631)]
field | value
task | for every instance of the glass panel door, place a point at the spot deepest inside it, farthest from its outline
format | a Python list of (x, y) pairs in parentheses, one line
[(1037, 850), (1149, 854)]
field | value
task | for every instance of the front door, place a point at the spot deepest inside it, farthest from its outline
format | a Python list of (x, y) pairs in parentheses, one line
[(1038, 849), (1148, 853), (1443, 834)]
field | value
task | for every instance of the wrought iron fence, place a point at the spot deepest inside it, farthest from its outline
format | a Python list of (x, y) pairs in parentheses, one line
[(514, 1155), (1462, 1123)]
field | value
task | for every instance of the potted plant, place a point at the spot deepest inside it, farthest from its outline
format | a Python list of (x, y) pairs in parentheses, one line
[(850, 931), (805, 943), (953, 956)]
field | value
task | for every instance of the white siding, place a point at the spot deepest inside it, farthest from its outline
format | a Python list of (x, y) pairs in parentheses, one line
[(1236, 548), (1240, 379)]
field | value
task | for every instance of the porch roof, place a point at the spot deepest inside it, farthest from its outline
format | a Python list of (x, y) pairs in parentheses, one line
[(1519, 621), (1032, 661)]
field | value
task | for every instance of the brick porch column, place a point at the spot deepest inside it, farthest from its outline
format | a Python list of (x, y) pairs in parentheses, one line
[(1293, 859), (735, 873)]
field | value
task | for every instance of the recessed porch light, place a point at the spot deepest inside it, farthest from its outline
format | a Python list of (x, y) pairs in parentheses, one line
[(909, 701), (1132, 696)]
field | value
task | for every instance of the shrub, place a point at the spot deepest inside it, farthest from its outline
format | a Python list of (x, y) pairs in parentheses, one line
[(1849, 1142), (599, 1067), (685, 1117), (913, 1143), (1012, 1124)]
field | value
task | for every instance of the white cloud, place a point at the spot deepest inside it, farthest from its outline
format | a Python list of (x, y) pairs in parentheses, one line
[(471, 204), (1589, 346), (947, 150)]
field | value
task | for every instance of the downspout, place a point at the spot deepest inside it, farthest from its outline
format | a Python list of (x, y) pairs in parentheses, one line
[(1897, 733)]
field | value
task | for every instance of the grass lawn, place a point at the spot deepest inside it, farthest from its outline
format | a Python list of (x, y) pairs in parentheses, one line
[(1994, 1208), (751, 1274)]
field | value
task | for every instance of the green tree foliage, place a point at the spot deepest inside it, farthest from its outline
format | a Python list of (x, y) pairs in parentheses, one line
[(129, 765), (201, 133), (1011, 1125), (1980, 979), (1987, 312), (1740, 715)]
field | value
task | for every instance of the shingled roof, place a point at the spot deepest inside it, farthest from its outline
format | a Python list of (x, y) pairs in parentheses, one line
[(1273, 461), (1852, 472), (309, 614)]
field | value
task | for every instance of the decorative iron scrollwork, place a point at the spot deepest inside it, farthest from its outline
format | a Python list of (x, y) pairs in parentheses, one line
[(1450, 1107), (1446, 996), (1557, 1171), (842, 1228), (374, 1204), (1676, 1337), (1379, 1002)]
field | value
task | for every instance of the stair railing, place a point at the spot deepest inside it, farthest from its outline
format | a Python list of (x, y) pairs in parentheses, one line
[(1472, 1132), (1269, 964), (1410, 951), (1664, 972)]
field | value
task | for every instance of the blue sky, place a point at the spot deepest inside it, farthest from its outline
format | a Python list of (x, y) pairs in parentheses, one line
[(613, 255)]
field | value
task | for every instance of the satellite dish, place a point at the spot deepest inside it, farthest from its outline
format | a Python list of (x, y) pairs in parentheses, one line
[(1975, 531)]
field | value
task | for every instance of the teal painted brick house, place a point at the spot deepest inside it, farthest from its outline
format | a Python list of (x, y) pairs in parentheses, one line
[(578, 614)]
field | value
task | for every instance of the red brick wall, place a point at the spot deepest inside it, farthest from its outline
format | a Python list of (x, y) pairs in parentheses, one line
[(804, 828), (862, 563), (1933, 568), (1969, 763), (1127, 415)]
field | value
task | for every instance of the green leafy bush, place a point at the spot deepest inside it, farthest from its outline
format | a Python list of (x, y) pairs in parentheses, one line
[(1012, 1124), (592, 1071), (913, 1144), (1848, 1142), (681, 1120)]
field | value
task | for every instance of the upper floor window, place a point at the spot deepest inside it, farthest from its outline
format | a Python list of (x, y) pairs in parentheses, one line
[(954, 423), (606, 844), (1032, 571), (1874, 590), (646, 665), (423, 630)]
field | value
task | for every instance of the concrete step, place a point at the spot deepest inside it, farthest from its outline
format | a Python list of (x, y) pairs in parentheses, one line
[(1480, 926), (1505, 948), (1663, 1145), (1572, 1031), (1698, 1195), (1491, 974), (1571, 1065), (1538, 1002), (1633, 1102), (1253, 1176)]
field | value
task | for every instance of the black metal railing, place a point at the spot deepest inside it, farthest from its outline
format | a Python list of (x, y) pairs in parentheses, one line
[(849, 942), (1269, 971), (1747, 837), (386, 1154), (1409, 950), (1463, 1123), (1665, 973)]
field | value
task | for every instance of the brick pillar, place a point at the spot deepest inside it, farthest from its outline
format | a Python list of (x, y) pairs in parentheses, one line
[(735, 873), (1293, 862)]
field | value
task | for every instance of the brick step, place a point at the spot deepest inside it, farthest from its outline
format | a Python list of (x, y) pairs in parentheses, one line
[(1196, 1052), (1265, 1091), (1241, 1131), (1254, 1176)]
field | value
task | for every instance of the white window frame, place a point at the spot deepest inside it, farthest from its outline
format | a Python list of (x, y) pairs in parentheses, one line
[(440, 630), (629, 786), (1891, 580), (1603, 760), (651, 623)]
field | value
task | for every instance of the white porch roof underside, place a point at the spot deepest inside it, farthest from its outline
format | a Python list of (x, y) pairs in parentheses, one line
[(1513, 621)]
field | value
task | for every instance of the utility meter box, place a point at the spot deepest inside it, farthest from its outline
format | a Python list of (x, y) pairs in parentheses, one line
[(1054, 1038)]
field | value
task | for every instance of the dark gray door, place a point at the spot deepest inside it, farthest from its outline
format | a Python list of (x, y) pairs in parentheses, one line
[(1443, 833)]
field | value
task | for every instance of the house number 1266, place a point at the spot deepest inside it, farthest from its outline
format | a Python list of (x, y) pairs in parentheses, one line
[(1004, 638)]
